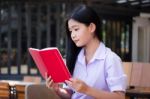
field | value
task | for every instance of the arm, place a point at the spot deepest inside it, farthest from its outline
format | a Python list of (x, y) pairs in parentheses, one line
[(82, 87), (99, 94)]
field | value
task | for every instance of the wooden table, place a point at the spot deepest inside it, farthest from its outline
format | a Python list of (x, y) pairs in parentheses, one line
[(138, 92), (17, 88)]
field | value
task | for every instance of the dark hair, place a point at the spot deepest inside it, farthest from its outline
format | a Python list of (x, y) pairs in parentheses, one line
[(86, 15)]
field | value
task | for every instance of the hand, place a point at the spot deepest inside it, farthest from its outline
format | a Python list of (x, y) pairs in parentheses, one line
[(50, 83), (78, 85)]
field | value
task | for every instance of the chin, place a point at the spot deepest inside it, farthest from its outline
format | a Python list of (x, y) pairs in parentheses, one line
[(79, 45)]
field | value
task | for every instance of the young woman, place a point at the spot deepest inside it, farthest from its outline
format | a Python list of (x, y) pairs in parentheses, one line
[(96, 71)]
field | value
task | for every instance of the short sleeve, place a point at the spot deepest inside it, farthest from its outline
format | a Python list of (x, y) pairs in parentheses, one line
[(115, 76)]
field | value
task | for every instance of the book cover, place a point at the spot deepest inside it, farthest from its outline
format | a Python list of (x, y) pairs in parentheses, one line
[(50, 60)]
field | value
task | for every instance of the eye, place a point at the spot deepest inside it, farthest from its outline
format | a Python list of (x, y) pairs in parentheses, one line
[(76, 29)]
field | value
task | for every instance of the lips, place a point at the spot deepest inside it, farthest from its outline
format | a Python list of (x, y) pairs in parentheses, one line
[(76, 41)]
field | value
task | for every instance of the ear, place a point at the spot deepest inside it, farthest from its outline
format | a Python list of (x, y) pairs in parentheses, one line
[(92, 27)]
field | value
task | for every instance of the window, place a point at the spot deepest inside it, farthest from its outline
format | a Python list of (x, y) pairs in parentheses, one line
[(42, 24)]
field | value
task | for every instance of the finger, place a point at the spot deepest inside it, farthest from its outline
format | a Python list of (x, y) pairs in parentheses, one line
[(50, 84), (75, 80), (68, 82), (71, 79), (46, 75), (48, 81)]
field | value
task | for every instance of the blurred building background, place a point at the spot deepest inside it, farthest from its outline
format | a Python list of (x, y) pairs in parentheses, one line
[(41, 24)]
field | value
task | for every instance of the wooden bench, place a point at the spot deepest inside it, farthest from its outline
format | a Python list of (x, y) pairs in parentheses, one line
[(20, 91), (4, 90), (138, 78)]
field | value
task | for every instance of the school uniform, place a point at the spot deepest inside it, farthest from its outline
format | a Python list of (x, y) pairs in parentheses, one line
[(104, 71)]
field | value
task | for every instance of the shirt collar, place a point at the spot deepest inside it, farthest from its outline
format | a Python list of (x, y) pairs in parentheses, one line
[(99, 54), (81, 57)]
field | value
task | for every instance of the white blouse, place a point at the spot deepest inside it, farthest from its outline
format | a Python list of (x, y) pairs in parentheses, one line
[(103, 72)]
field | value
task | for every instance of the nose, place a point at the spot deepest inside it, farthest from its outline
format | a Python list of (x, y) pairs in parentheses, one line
[(73, 35)]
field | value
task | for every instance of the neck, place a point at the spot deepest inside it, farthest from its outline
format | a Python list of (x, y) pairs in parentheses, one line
[(90, 48)]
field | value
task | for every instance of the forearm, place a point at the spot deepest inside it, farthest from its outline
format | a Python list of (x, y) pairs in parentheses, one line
[(99, 94)]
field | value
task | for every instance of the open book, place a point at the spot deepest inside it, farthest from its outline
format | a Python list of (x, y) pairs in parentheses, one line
[(50, 60)]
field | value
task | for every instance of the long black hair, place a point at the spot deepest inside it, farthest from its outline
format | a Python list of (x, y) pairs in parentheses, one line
[(86, 15)]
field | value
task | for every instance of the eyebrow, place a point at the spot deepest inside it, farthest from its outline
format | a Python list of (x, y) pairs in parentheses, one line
[(73, 26)]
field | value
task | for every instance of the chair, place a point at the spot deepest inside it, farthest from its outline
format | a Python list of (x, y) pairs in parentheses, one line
[(145, 75), (4, 90), (127, 66), (39, 91), (136, 74), (140, 80)]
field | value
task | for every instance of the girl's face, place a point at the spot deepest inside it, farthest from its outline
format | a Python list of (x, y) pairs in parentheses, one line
[(80, 33)]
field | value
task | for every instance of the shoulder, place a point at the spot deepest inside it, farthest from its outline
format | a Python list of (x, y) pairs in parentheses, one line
[(112, 58), (111, 54)]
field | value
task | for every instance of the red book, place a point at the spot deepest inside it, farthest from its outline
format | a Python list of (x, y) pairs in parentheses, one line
[(50, 60)]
